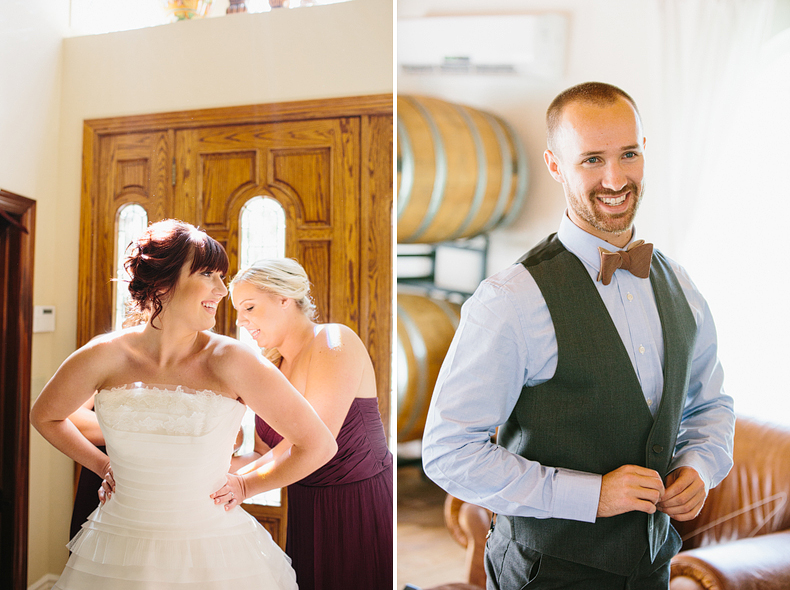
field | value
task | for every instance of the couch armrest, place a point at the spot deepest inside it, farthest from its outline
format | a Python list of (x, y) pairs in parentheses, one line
[(758, 563)]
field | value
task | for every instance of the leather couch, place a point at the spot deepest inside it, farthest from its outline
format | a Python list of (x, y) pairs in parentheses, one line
[(740, 540)]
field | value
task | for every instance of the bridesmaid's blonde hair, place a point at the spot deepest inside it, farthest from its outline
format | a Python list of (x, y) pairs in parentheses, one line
[(283, 277)]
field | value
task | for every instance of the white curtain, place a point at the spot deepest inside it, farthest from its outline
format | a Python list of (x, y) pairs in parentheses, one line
[(708, 52), (726, 96)]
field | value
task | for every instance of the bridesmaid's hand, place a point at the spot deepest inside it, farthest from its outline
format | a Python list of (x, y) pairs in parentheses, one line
[(107, 486), (232, 493)]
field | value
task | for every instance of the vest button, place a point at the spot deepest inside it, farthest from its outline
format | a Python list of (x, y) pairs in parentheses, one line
[(657, 448)]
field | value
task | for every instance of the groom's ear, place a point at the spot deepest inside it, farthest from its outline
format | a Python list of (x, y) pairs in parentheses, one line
[(553, 164)]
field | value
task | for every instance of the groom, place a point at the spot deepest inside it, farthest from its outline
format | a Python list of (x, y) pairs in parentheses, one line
[(595, 357)]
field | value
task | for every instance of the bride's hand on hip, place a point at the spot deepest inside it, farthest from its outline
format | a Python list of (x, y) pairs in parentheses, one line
[(232, 493), (107, 485)]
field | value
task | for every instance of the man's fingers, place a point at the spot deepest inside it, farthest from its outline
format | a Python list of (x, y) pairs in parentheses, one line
[(646, 479), (684, 483), (685, 495), (630, 488)]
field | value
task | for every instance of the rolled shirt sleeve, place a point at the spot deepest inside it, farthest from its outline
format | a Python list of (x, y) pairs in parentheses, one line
[(477, 388)]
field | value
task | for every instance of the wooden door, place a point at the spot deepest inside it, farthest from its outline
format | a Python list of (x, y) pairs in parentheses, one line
[(311, 168), (17, 240), (130, 168), (328, 162), (329, 165)]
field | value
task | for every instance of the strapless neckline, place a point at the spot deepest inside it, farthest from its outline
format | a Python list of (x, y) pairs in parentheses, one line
[(158, 387)]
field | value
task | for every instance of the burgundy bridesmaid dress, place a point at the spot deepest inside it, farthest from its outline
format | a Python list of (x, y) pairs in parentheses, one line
[(340, 517)]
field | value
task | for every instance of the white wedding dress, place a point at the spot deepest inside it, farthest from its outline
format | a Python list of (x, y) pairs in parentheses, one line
[(170, 448)]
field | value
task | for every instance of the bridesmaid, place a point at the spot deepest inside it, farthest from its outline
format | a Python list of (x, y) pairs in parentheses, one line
[(340, 517)]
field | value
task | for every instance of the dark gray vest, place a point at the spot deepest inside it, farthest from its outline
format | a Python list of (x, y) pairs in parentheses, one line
[(592, 415)]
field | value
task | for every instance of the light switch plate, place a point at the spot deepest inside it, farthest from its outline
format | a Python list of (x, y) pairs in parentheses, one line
[(44, 318)]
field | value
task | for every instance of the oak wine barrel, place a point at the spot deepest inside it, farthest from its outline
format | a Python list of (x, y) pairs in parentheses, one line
[(426, 327), (461, 171)]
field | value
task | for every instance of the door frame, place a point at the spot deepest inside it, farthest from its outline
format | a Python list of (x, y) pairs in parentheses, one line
[(16, 334), (376, 189)]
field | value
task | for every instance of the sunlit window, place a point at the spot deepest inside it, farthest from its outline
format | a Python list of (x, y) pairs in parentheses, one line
[(94, 17), (131, 223), (262, 231), (261, 235)]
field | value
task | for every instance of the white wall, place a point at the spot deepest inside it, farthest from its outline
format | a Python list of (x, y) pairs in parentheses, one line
[(596, 51), (619, 41), (31, 33), (319, 52)]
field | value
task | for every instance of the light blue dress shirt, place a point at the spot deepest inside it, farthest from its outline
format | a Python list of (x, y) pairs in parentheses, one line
[(506, 340)]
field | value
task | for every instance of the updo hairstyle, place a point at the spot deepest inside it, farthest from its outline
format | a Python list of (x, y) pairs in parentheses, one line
[(155, 259), (283, 277)]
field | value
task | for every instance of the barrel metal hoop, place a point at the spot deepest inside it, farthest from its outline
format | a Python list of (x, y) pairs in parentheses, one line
[(402, 386), (523, 174), (420, 351), (482, 173), (449, 311), (406, 167), (507, 174), (440, 179)]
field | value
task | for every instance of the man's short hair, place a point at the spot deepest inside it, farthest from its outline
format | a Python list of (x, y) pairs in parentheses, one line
[(596, 93)]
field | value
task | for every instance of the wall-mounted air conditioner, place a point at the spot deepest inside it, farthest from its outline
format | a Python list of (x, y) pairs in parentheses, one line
[(525, 44)]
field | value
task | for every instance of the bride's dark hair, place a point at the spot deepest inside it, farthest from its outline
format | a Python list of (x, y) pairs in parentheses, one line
[(155, 260)]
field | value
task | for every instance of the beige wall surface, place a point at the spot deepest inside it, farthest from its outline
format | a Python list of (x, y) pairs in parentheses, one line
[(595, 50), (705, 226), (31, 56), (319, 52)]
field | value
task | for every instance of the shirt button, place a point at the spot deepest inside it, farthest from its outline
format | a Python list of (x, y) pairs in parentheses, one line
[(630, 297), (650, 402), (642, 350)]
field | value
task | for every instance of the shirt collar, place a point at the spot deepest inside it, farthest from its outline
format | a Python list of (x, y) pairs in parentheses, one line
[(585, 245)]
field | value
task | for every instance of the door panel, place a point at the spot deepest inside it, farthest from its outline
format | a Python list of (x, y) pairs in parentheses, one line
[(327, 162), (132, 168), (17, 243), (311, 168)]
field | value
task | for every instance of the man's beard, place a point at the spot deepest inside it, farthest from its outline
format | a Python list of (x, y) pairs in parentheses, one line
[(592, 213)]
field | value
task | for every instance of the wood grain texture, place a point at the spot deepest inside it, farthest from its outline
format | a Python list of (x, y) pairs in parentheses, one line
[(329, 163), (128, 168), (426, 327), (305, 110), (377, 253), (459, 172), (16, 277)]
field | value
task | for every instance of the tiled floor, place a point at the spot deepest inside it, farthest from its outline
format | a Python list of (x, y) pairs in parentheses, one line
[(427, 555)]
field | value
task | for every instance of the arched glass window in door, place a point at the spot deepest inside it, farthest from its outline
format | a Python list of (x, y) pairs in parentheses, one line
[(261, 235), (262, 232), (132, 221)]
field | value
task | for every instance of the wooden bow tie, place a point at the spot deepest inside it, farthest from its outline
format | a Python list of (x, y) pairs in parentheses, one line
[(635, 259)]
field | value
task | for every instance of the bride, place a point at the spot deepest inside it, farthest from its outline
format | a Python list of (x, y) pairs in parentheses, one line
[(171, 395)]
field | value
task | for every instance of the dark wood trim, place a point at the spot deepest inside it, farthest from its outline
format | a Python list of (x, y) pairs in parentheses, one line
[(16, 334), (85, 289), (95, 129), (353, 106), (376, 260)]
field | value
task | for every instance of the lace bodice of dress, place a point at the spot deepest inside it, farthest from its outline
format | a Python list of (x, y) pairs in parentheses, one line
[(168, 444), (159, 409)]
